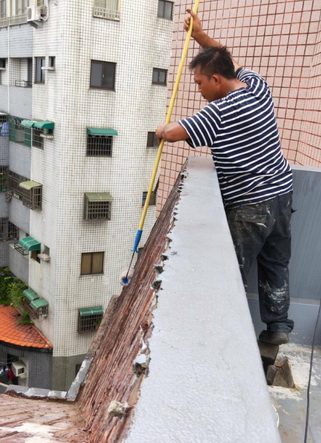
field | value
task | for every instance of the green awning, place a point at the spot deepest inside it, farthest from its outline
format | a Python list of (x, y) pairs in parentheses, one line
[(40, 124), (101, 131), (39, 303), (30, 294), (98, 196), (30, 244), (28, 185), (85, 312), (28, 123)]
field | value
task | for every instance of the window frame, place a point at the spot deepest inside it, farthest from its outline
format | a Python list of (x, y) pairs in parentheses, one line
[(159, 71), (106, 64), (39, 78), (162, 14), (92, 254), (152, 140)]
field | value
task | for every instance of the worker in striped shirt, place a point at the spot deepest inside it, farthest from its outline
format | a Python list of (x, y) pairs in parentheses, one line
[(239, 126)]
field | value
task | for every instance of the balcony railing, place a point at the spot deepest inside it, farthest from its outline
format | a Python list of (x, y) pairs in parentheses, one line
[(20, 249), (15, 20), (109, 14), (23, 83)]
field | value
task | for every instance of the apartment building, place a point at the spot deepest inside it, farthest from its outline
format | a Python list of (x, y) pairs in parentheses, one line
[(83, 85)]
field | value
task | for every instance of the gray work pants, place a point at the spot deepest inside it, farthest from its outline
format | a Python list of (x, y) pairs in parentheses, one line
[(262, 231)]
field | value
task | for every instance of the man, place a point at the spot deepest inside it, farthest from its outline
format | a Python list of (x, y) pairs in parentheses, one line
[(239, 127)]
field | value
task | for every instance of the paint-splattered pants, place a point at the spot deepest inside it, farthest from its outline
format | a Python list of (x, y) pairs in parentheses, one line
[(262, 231)]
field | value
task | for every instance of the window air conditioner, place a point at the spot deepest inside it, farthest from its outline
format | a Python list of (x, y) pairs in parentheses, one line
[(19, 368), (36, 13)]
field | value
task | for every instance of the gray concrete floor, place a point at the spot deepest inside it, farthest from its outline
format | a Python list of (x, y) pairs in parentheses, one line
[(291, 403)]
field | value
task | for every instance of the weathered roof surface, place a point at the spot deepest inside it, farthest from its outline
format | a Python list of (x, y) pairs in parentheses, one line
[(116, 373), (20, 335), (23, 420)]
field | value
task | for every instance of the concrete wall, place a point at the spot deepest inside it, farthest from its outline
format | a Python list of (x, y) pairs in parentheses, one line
[(281, 41), (64, 371), (19, 215), (21, 102), (19, 264)]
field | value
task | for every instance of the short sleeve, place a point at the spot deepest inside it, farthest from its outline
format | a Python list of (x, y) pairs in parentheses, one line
[(203, 127)]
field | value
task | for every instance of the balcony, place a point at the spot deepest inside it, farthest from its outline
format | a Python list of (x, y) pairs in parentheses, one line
[(12, 21)]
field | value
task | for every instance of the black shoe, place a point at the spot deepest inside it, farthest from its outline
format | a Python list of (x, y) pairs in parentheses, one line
[(274, 337)]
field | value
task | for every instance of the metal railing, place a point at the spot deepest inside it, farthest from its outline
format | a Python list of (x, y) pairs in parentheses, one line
[(23, 83), (109, 14)]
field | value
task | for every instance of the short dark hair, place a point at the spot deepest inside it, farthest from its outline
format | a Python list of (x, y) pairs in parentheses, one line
[(215, 60)]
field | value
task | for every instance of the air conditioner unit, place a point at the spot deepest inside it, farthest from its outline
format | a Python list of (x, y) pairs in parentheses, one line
[(36, 13), (44, 257), (19, 368)]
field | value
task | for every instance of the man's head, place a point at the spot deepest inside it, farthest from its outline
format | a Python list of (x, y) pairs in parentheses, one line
[(213, 70)]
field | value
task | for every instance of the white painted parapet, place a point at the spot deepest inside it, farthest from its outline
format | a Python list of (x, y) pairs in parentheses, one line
[(205, 382)]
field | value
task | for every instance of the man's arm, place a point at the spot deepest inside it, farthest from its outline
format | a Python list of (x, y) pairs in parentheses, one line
[(171, 132), (200, 36)]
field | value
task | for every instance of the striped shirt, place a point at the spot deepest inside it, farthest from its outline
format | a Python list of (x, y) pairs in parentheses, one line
[(241, 131)]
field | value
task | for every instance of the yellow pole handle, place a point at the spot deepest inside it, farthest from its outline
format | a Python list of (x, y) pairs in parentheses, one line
[(168, 116)]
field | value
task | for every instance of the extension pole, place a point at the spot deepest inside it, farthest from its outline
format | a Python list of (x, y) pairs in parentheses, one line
[(161, 144)]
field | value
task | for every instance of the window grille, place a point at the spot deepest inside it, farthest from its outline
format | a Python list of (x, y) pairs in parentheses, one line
[(13, 231), (97, 206), (37, 140), (89, 319), (99, 145), (13, 184), (32, 198), (152, 140), (165, 9), (107, 9), (19, 133), (8, 231), (159, 76), (20, 249), (4, 178), (102, 75), (92, 263)]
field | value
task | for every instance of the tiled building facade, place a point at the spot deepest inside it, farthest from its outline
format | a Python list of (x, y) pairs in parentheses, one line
[(74, 142), (282, 41)]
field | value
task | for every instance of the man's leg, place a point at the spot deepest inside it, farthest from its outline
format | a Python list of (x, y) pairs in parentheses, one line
[(273, 273)]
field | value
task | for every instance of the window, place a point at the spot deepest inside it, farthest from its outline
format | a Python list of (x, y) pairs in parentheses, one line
[(37, 140), (4, 178), (99, 145), (152, 200), (52, 62), (35, 305), (97, 206), (108, 9), (19, 133), (3, 8), (13, 184), (159, 76), (102, 75), (2, 63), (165, 9), (89, 318), (152, 140), (21, 7), (92, 263), (39, 73), (8, 231)]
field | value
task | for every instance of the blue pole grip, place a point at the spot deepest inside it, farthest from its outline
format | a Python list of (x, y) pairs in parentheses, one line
[(137, 240)]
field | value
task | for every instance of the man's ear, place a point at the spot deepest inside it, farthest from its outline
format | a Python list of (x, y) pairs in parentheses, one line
[(216, 79)]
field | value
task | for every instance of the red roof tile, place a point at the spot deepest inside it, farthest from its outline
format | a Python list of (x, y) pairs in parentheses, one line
[(20, 335)]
